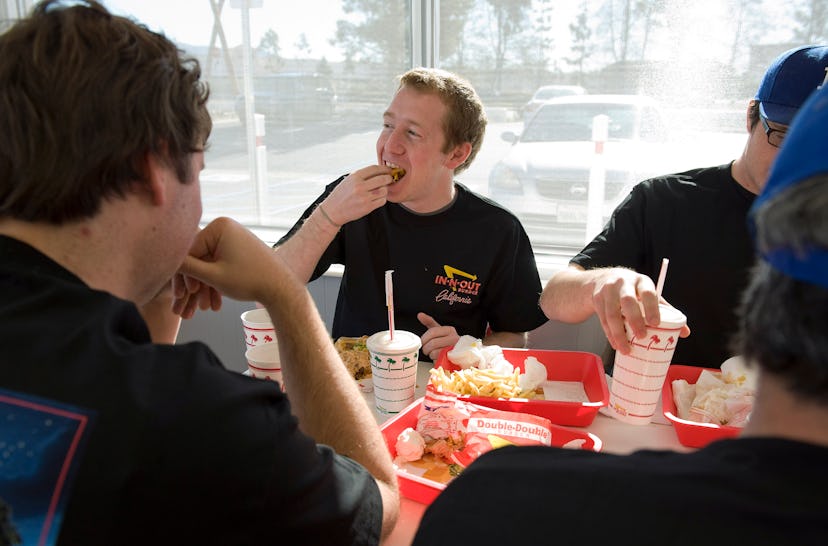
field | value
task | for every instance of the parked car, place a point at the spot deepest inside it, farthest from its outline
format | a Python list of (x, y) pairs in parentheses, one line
[(545, 177), (546, 92), (291, 95)]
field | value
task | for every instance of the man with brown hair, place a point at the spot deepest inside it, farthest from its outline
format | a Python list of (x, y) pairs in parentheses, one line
[(462, 264), (102, 134)]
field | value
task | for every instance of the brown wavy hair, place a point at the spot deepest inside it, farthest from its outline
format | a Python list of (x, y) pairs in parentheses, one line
[(84, 97)]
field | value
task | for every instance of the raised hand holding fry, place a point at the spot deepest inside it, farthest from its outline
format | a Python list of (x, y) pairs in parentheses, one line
[(360, 193)]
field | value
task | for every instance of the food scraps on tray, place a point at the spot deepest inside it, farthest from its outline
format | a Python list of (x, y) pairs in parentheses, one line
[(720, 397), (355, 355), (451, 433)]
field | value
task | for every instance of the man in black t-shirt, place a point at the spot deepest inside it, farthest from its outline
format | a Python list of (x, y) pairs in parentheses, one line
[(696, 219), (462, 264), (104, 125)]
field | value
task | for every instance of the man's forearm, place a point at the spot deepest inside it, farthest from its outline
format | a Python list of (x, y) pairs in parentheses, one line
[(324, 396), (567, 296), (304, 248)]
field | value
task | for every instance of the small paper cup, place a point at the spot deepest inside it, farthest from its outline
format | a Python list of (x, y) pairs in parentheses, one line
[(263, 362), (258, 328), (394, 368)]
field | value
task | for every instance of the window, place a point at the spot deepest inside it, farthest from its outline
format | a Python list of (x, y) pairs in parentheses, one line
[(298, 90)]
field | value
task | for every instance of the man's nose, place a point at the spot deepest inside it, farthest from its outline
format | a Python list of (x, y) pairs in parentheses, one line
[(394, 142)]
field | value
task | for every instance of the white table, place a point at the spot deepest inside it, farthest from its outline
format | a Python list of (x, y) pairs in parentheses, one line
[(617, 437)]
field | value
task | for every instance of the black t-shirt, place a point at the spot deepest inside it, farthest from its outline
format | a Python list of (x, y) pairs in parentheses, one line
[(697, 219), (470, 266), (741, 491), (182, 450)]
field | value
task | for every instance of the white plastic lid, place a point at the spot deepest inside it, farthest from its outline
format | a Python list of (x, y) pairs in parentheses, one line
[(403, 341), (671, 317)]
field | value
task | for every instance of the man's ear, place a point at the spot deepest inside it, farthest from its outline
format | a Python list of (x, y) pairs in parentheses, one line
[(156, 174), (458, 155)]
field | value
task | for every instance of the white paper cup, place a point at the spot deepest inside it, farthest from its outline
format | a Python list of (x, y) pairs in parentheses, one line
[(394, 369), (637, 378), (263, 362), (257, 327)]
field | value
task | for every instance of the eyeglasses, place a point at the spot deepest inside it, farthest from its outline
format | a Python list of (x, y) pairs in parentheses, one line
[(775, 136)]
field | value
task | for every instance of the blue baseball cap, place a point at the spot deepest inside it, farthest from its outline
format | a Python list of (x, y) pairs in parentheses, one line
[(803, 155), (789, 80)]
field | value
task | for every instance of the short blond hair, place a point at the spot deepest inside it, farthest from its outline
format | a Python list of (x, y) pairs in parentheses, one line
[(465, 119)]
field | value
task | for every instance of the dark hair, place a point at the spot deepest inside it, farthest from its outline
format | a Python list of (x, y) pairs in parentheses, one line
[(84, 97), (465, 119), (783, 320), (753, 113)]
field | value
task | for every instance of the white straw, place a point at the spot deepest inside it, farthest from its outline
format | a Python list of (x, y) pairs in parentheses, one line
[(389, 302), (663, 273)]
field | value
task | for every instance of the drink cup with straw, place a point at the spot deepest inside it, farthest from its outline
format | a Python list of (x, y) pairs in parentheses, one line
[(638, 376), (394, 359)]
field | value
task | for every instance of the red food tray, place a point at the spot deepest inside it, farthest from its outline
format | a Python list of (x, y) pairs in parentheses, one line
[(423, 490), (560, 366), (691, 433)]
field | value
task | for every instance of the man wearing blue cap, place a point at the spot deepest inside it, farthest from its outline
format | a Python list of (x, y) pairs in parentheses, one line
[(697, 220), (766, 486)]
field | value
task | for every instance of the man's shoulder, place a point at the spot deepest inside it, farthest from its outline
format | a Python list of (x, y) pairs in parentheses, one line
[(481, 203), (702, 177)]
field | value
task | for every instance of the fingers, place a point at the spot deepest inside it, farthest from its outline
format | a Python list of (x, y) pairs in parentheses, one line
[(608, 306), (436, 337), (649, 300), (624, 298), (435, 345), (427, 320), (361, 192), (215, 300), (189, 306), (375, 176), (191, 294)]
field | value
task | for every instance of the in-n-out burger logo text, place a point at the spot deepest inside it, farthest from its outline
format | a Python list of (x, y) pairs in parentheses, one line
[(515, 429), (452, 297), (465, 284)]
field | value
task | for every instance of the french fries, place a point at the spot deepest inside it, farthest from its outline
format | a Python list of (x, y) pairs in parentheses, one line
[(477, 382)]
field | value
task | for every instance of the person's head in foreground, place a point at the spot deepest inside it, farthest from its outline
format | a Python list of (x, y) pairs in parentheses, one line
[(764, 487), (433, 129), (85, 98), (786, 84)]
